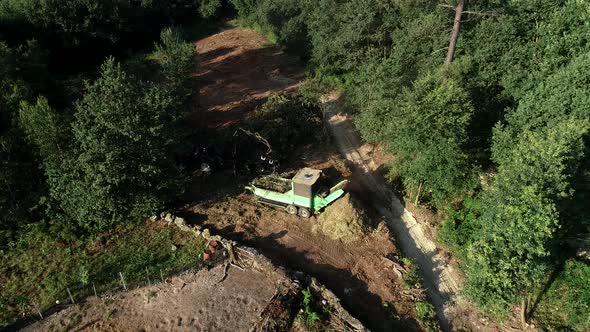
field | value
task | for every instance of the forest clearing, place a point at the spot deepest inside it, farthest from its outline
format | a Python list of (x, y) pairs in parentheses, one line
[(277, 165)]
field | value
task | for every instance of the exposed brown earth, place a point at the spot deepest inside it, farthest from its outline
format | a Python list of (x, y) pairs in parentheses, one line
[(189, 302), (238, 72)]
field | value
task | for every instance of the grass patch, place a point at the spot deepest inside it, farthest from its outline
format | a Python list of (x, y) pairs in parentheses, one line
[(566, 304), (270, 36), (37, 269)]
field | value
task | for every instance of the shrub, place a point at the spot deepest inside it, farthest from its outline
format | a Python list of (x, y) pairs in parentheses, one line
[(426, 130), (461, 224)]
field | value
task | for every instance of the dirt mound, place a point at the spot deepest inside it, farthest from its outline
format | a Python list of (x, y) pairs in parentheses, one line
[(343, 220)]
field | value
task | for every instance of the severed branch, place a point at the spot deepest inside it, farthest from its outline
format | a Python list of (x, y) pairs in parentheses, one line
[(482, 13), (258, 137)]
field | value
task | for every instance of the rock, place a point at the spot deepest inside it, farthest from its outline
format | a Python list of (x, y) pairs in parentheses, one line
[(154, 218), (169, 218), (366, 149), (179, 222), (583, 254), (162, 215)]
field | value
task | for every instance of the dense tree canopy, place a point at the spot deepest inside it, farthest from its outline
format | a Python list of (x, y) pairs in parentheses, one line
[(59, 137), (116, 162), (81, 32)]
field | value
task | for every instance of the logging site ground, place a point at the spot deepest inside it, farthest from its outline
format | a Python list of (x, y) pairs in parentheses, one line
[(238, 72), (380, 265)]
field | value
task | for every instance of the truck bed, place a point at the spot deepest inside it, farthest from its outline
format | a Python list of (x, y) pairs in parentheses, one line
[(273, 183)]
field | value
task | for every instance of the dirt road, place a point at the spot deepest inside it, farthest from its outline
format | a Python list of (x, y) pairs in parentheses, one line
[(439, 278)]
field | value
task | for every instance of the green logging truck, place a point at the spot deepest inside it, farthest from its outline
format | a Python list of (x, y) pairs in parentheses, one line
[(303, 195)]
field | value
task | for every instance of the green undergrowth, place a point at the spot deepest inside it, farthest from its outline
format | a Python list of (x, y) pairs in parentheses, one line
[(314, 314), (425, 311), (427, 315), (565, 306), (36, 270)]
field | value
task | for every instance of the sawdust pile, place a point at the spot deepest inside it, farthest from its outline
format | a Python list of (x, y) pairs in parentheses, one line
[(343, 220)]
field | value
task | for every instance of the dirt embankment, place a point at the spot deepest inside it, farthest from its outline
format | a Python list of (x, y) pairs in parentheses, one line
[(440, 278)]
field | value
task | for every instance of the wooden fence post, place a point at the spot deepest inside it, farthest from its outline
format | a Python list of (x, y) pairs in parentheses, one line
[(147, 275), (123, 280), (71, 297)]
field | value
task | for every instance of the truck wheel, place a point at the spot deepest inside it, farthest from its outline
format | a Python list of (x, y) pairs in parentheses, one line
[(303, 212), (291, 209)]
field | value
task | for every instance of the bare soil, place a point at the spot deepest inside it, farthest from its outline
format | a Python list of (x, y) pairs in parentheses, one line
[(202, 301), (238, 72), (356, 272)]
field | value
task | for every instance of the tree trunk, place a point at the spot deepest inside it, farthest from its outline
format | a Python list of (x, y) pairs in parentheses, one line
[(418, 194), (455, 32), (523, 313)]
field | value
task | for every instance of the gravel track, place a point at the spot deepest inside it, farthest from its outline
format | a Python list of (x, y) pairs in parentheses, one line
[(439, 278)]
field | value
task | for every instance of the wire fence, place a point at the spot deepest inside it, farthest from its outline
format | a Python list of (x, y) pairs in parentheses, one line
[(75, 293)]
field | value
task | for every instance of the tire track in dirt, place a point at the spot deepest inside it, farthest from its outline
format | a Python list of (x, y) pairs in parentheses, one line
[(439, 278)]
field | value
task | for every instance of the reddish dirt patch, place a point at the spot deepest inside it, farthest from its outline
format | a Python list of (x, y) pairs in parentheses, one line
[(239, 69)]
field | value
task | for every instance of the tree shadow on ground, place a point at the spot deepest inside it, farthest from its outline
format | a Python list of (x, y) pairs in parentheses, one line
[(209, 56), (230, 78)]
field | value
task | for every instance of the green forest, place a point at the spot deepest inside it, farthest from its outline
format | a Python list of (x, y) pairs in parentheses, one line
[(490, 129), (493, 136), (92, 96)]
